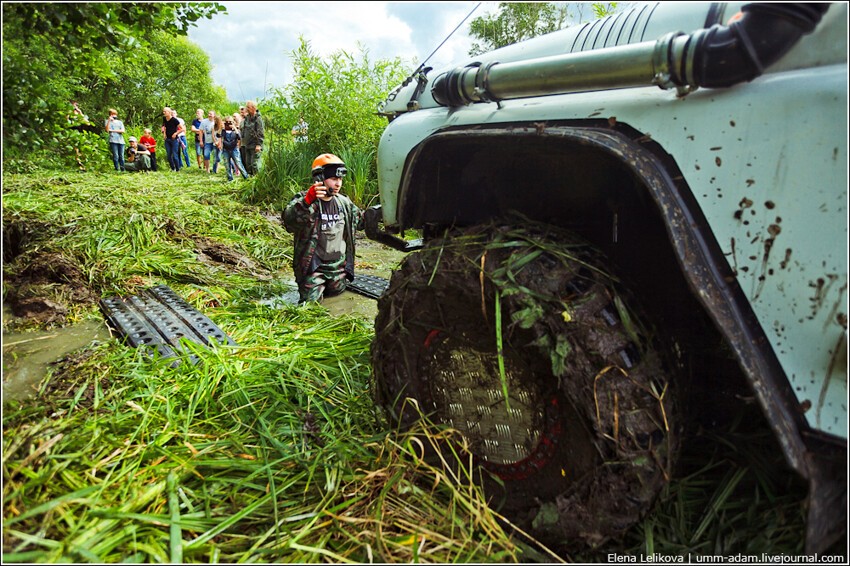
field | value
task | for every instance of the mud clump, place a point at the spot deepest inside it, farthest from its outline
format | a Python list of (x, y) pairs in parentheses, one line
[(40, 310), (211, 251), (42, 286)]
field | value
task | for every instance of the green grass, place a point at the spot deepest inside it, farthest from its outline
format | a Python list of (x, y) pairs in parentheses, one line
[(123, 231), (269, 451)]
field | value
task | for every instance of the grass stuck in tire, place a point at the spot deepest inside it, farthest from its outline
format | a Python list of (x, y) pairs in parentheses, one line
[(520, 340), (487, 327)]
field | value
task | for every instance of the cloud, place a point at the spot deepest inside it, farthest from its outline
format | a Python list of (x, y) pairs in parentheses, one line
[(250, 47)]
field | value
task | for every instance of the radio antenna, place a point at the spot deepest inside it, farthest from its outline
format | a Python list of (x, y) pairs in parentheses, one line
[(447, 37), (421, 66)]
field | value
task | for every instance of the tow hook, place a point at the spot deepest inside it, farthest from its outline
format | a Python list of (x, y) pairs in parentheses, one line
[(371, 218)]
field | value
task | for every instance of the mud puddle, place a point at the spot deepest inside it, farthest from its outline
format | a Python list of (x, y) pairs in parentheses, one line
[(347, 302), (352, 303), (28, 355), (372, 258)]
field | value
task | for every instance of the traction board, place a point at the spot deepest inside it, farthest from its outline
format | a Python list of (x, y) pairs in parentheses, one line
[(158, 319)]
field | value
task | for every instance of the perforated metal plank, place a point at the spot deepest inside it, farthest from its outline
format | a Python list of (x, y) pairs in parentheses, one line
[(157, 319), (195, 320), (368, 285), (133, 326)]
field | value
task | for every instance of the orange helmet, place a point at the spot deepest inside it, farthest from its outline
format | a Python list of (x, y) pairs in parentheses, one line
[(326, 166)]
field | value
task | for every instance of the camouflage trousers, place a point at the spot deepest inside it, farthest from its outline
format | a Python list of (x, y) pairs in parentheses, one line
[(329, 279)]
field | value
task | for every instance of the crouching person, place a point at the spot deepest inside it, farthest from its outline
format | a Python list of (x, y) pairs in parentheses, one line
[(138, 157), (323, 222)]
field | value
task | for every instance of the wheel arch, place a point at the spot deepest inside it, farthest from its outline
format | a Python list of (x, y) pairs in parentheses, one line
[(623, 192)]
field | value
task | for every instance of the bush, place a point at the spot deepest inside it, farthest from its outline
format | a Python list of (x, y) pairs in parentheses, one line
[(338, 98), (285, 171)]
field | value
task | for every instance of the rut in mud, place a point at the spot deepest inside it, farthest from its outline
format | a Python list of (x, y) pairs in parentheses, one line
[(521, 341), (43, 286)]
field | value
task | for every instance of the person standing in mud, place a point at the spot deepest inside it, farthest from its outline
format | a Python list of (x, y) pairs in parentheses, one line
[(323, 222)]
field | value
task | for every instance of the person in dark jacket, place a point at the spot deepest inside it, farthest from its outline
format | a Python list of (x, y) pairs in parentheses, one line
[(138, 157), (323, 222), (171, 132), (252, 137)]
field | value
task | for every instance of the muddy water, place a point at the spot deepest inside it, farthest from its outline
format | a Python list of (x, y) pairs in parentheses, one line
[(344, 303), (372, 259), (352, 303), (27, 355)]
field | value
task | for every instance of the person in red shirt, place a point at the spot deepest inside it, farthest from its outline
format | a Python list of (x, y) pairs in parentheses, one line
[(149, 141)]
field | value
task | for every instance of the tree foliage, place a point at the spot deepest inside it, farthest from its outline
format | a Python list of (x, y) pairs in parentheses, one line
[(338, 97), (518, 21), (57, 52), (171, 71)]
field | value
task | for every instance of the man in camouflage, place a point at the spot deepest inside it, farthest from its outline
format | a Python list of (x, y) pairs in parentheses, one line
[(323, 222)]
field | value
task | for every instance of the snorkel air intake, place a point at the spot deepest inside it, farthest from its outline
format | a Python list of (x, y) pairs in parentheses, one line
[(719, 56)]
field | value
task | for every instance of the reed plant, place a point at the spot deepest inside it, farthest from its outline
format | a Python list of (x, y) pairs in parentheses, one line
[(360, 184)]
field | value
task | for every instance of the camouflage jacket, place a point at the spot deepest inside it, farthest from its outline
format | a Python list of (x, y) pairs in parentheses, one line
[(302, 220), (252, 130)]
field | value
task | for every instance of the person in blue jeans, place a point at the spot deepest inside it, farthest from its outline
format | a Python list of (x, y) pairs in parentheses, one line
[(207, 128), (115, 127), (171, 132), (196, 129), (184, 145), (230, 149), (218, 129)]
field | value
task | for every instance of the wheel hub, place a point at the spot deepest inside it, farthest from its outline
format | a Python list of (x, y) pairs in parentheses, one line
[(467, 394)]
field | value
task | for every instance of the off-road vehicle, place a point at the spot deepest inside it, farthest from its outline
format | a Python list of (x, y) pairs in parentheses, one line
[(627, 226)]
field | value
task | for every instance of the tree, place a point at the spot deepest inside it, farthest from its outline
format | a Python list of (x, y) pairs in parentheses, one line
[(148, 80), (57, 52), (518, 21), (338, 96)]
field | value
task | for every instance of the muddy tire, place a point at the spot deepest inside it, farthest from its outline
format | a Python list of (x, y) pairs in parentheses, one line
[(586, 438)]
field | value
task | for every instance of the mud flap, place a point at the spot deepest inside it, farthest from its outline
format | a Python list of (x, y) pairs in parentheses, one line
[(158, 319), (827, 513)]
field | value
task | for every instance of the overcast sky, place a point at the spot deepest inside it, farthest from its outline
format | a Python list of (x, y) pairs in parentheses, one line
[(250, 46)]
